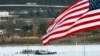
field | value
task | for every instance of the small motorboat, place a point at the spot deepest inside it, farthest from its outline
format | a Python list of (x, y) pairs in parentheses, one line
[(43, 52), (27, 52)]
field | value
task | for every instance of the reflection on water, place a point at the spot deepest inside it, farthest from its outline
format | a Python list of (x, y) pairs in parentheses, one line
[(62, 50)]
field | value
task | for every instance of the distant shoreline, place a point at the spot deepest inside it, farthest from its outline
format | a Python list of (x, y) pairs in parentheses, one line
[(47, 45)]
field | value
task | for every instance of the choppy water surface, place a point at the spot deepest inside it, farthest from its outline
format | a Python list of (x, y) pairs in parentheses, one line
[(62, 50)]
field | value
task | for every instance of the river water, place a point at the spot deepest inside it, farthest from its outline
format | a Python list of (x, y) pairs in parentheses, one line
[(62, 50)]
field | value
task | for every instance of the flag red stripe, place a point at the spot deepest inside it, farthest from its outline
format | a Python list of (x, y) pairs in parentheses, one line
[(66, 24)]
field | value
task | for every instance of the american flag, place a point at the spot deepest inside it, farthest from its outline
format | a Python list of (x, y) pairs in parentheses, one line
[(90, 19)]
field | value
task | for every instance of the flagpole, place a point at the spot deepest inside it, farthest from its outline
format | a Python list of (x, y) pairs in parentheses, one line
[(77, 47), (84, 44)]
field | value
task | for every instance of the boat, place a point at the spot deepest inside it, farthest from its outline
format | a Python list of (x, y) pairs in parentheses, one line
[(37, 52), (27, 52), (44, 52)]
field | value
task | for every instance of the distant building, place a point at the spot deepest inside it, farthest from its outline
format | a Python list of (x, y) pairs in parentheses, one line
[(5, 16), (2, 31), (31, 3), (24, 9)]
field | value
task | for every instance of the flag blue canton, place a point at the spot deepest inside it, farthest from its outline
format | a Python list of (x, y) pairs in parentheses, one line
[(94, 4)]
